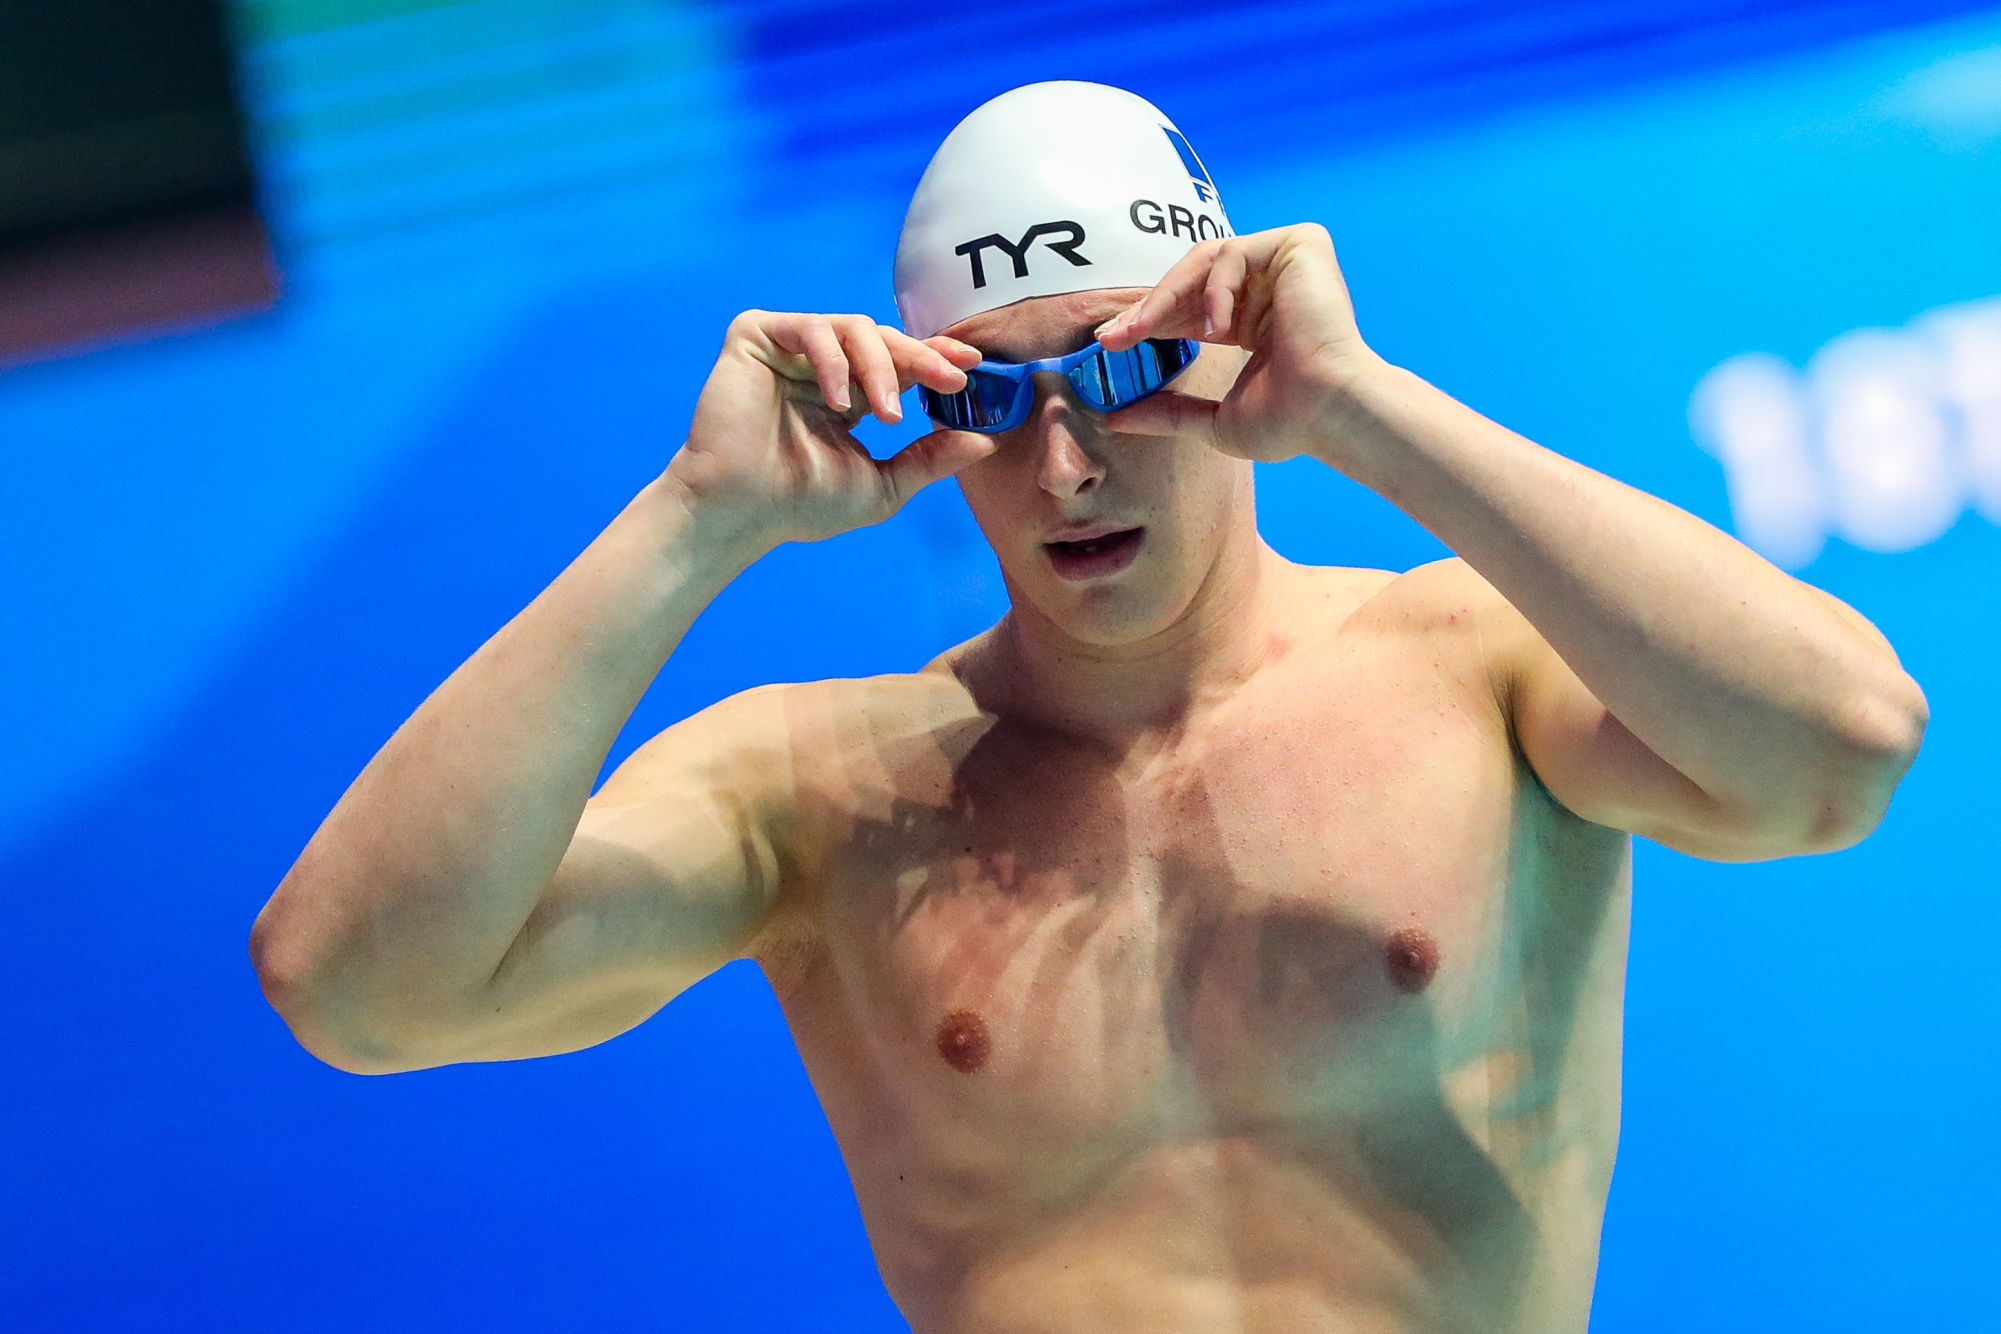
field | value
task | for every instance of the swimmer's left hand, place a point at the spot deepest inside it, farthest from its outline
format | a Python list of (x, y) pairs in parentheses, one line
[(1277, 294)]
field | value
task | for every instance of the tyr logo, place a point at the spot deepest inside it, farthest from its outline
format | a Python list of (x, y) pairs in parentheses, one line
[(1017, 251)]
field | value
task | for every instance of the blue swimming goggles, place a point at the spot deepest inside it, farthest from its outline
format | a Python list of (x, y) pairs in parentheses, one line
[(998, 393)]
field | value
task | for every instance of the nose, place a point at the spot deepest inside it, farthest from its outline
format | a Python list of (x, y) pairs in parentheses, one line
[(1065, 467)]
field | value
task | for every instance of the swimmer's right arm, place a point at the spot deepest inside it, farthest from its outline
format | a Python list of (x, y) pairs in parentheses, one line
[(468, 898)]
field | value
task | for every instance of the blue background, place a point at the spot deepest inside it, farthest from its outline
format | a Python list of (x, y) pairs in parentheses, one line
[(233, 560)]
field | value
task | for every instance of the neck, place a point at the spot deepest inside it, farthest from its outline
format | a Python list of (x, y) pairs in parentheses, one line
[(1124, 693)]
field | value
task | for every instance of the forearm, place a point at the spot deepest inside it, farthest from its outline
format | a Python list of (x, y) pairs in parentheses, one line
[(424, 872), (1751, 683)]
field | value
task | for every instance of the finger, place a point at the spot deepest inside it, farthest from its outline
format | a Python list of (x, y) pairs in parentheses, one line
[(930, 458), (1171, 306), (812, 337), (1219, 295), (920, 363), (1175, 308), (873, 367), (1168, 413), (963, 355)]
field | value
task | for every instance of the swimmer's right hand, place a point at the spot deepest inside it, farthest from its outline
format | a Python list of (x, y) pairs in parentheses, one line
[(771, 456)]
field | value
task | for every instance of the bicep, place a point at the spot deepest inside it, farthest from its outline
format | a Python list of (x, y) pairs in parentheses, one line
[(1582, 754), (1592, 764), (670, 875)]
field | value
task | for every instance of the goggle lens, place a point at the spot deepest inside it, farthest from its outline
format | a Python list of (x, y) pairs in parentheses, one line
[(1109, 380), (985, 402), (1104, 380)]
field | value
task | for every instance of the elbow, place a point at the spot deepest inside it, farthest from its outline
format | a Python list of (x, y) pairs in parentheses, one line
[(330, 1022), (1879, 751), (1836, 824), (1835, 795), (1868, 757), (1887, 727)]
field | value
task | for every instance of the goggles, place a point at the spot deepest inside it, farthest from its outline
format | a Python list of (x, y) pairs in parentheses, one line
[(998, 393)]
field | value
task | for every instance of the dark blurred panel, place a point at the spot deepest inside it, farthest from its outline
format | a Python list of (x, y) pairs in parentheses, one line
[(127, 199)]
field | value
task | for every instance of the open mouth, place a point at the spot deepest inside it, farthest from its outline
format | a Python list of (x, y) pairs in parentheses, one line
[(1095, 556)]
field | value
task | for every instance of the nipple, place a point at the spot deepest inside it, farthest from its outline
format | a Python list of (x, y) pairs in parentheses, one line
[(1412, 959), (962, 1041)]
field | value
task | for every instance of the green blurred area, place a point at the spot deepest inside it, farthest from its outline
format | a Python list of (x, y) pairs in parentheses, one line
[(268, 20)]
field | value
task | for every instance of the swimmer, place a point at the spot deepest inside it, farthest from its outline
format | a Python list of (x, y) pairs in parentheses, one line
[(1216, 943)]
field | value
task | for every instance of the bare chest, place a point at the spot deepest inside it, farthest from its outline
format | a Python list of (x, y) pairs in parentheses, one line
[(1302, 916)]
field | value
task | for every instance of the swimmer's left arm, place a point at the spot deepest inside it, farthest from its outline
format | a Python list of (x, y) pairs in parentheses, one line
[(1660, 676), (1828, 788)]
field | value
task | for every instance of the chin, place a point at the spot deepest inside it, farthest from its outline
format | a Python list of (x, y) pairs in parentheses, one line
[(1107, 616)]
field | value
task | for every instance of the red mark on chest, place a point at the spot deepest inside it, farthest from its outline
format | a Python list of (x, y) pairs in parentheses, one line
[(962, 1040), (1412, 959)]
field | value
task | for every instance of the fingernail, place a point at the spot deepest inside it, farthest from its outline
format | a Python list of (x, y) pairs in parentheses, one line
[(842, 402)]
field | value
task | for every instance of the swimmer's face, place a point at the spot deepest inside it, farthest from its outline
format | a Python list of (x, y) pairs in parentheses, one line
[(1162, 506)]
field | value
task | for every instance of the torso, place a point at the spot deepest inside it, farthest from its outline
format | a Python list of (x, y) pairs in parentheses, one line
[(1308, 1021)]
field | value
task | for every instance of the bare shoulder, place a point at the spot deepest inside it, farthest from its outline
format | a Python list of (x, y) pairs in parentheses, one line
[(812, 761), (840, 724), (1450, 603), (865, 747), (1331, 594), (1443, 619), (791, 761), (772, 736), (1441, 596)]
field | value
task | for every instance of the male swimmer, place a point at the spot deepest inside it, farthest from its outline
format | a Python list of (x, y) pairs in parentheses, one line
[(1214, 944)]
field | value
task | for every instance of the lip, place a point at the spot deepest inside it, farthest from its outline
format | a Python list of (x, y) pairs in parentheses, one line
[(1108, 559), (1084, 532)]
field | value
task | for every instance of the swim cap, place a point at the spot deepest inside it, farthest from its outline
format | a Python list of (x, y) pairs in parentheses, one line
[(1051, 188)]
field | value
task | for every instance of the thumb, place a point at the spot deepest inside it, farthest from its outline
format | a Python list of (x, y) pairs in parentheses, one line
[(1168, 413), (930, 458)]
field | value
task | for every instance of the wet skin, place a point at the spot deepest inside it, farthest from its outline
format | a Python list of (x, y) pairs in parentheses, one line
[(1216, 943), (1309, 1019), (1194, 951)]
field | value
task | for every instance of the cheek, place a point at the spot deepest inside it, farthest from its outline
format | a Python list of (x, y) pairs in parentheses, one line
[(975, 496), (1203, 506), (990, 493), (1191, 481), (1003, 484)]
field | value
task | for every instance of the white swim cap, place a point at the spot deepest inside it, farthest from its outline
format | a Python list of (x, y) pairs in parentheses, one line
[(1051, 188)]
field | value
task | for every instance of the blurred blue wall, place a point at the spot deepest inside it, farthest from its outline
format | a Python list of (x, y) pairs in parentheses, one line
[(232, 561)]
